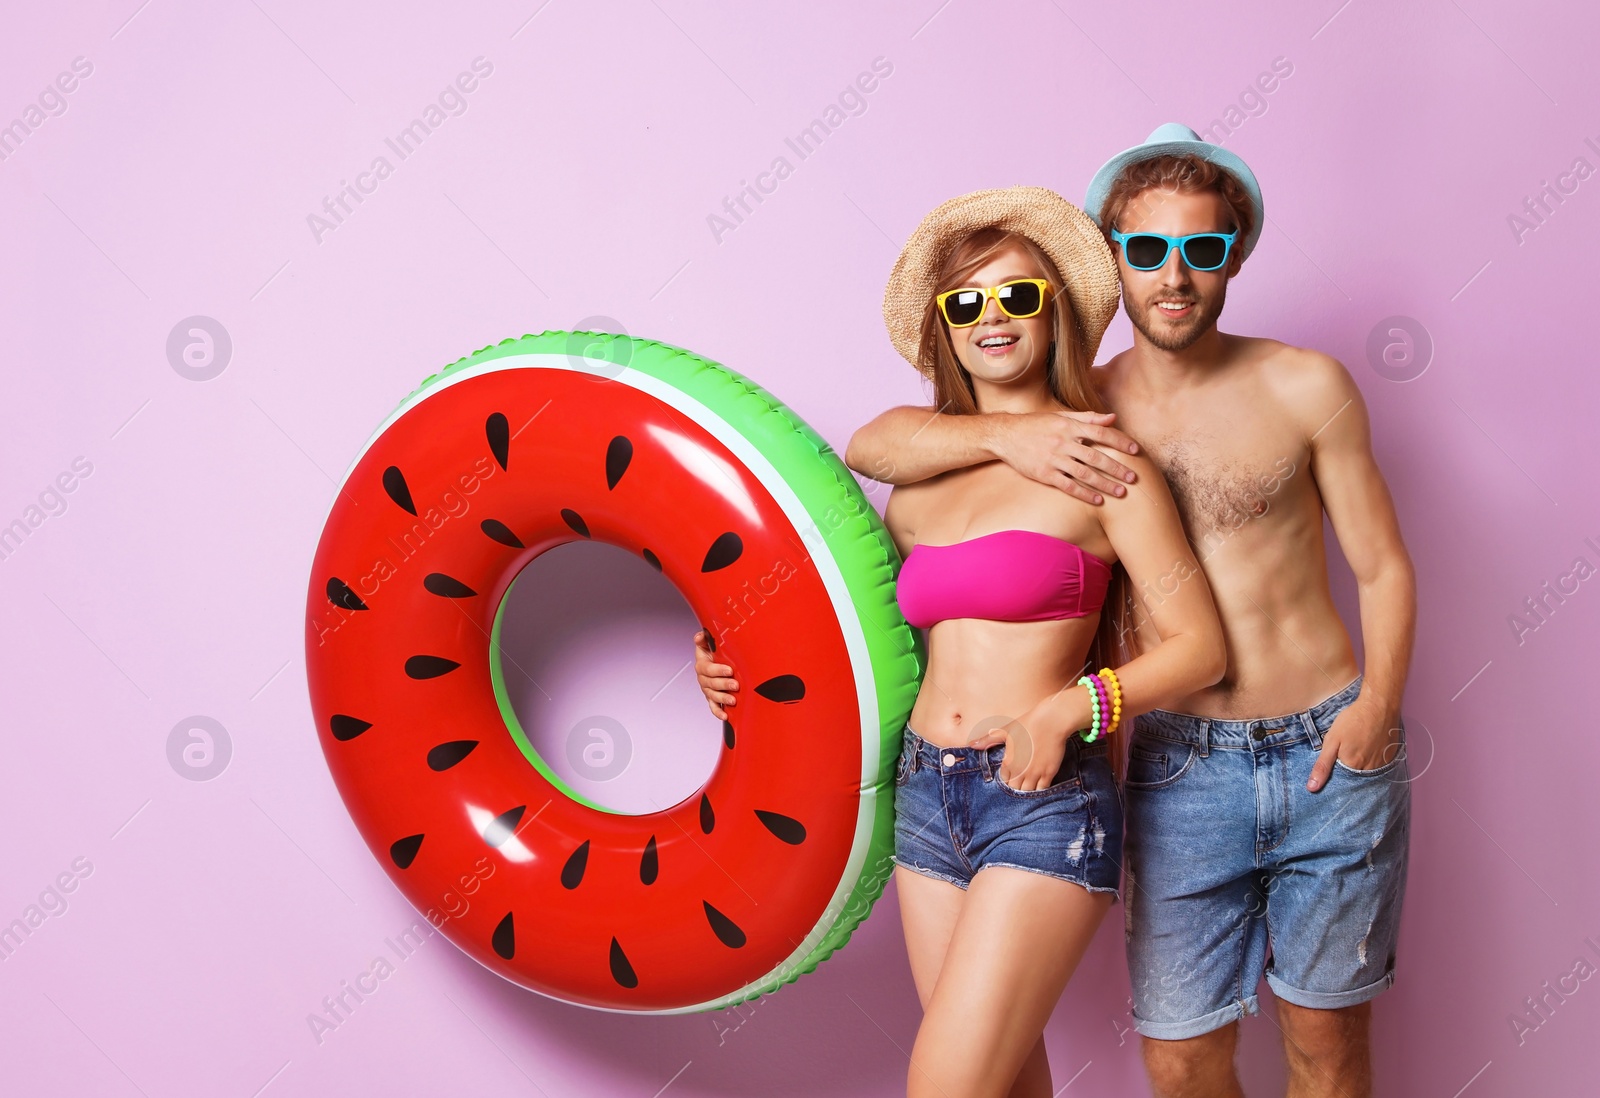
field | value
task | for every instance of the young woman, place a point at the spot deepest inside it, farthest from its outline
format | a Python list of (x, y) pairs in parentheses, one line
[(1008, 821)]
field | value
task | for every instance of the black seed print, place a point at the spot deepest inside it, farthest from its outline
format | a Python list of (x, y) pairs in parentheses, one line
[(649, 862), (498, 432), (651, 559), (504, 938), (787, 828), (429, 667), (723, 552), (447, 755), (783, 688), (621, 970), (394, 482), (503, 826), (500, 532), (619, 452), (575, 520), (708, 818), (404, 851), (340, 595), (447, 587), (577, 862), (711, 638), (727, 733), (726, 930), (347, 728)]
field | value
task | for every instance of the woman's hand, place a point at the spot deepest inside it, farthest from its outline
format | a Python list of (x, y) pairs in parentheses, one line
[(716, 680), (1035, 745)]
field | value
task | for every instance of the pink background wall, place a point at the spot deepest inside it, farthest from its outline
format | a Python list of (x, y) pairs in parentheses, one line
[(210, 917)]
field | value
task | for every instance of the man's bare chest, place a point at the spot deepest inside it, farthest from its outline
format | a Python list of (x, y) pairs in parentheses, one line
[(1223, 482)]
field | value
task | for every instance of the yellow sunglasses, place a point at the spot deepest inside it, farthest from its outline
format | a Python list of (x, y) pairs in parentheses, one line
[(1019, 299)]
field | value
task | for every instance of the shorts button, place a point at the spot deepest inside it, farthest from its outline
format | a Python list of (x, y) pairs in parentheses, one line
[(949, 759)]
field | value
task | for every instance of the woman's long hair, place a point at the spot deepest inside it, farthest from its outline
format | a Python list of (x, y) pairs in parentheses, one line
[(1066, 374)]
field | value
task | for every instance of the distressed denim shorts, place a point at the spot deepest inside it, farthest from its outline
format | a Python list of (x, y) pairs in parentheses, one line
[(1231, 859), (954, 816)]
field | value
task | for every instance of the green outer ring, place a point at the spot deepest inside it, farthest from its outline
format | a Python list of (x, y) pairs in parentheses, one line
[(851, 532)]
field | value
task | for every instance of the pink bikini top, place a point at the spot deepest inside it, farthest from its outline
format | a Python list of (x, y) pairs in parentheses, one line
[(1009, 575)]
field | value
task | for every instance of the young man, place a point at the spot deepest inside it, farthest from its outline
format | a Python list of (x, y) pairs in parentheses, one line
[(1272, 809)]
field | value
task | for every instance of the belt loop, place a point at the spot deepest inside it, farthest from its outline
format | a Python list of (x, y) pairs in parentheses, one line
[(1313, 733), (983, 763), (1205, 738), (916, 750)]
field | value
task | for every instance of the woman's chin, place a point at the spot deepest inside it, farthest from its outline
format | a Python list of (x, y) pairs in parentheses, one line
[(1000, 369)]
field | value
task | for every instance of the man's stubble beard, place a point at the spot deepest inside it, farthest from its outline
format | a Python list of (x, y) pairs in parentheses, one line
[(1205, 318)]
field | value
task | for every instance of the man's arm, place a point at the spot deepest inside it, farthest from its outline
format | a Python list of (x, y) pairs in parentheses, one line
[(907, 444), (1362, 513)]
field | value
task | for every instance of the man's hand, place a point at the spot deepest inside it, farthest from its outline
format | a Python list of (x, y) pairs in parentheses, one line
[(1363, 737), (906, 444), (1056, 448), (716, 679)]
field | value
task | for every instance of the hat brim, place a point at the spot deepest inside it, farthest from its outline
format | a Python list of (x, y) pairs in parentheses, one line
[(1065, 233), (1230, 162)]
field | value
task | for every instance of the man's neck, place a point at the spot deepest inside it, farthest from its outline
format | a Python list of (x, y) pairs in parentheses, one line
[(1159, 369)]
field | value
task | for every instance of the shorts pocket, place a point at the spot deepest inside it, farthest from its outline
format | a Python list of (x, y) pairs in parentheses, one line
[(1073, 783), (1156, 764), (902, 767)]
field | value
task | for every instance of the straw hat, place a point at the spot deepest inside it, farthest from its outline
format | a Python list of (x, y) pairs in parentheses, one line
[(1065, 233)]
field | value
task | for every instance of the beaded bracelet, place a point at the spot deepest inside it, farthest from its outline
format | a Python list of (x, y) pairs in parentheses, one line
[(1110, 677), (1088, 682), (1105, 703)]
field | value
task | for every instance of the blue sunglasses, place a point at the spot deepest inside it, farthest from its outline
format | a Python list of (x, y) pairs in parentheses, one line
[(1149, 251)]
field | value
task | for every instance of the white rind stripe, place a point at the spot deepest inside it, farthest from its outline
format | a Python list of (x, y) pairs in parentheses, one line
[(832, 578)]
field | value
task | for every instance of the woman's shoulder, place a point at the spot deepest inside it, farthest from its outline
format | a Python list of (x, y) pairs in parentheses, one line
[(1148, 499), (1142, 464)]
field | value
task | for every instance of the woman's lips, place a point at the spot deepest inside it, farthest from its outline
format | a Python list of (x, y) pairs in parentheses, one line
[(999, 349)]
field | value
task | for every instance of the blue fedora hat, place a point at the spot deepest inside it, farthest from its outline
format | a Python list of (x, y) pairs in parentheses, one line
[(1176, 139)]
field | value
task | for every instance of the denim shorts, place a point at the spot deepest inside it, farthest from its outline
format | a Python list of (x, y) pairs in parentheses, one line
[(1230, 857), (954, 816)]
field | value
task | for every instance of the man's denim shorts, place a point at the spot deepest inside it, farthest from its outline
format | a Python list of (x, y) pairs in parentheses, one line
[(954, 816), (1229, 856)]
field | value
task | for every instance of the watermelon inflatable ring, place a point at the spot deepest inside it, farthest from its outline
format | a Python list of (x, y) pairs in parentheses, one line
[(765, 870)]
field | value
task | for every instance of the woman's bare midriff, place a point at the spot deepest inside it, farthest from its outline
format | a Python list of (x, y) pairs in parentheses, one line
[(982, 673)]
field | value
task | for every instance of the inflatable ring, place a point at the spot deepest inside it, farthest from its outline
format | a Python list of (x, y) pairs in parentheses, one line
[(765, 870)]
